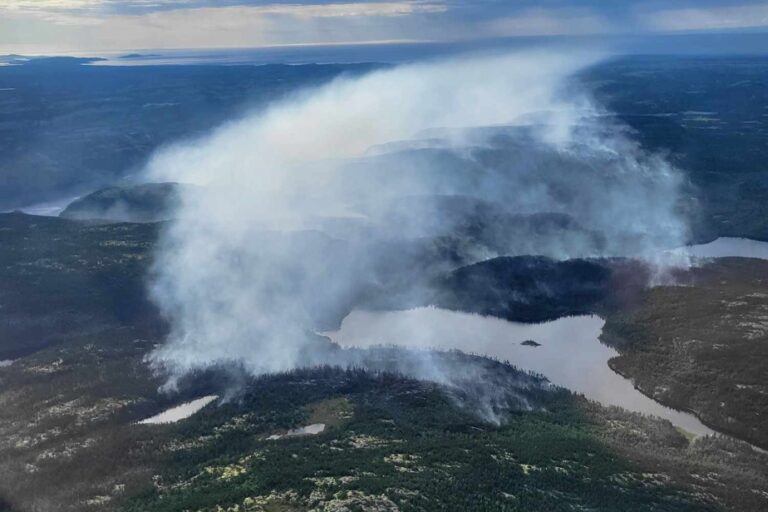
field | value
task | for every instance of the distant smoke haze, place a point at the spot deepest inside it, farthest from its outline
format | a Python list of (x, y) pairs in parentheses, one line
[(369, 183)]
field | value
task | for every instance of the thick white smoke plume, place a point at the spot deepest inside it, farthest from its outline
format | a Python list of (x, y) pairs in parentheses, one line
[(371, 185)]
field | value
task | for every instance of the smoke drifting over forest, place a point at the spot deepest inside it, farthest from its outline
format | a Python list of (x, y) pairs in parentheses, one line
[(366, 186)]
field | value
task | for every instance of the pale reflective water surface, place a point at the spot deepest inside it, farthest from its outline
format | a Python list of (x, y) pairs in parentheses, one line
[(570, 354), (179, 412), (728, 247)]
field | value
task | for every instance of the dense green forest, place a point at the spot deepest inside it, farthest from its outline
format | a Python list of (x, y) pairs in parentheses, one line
[(397, 444)]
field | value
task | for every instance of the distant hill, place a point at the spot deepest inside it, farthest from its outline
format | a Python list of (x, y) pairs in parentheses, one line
[(527, 288), (22, 60), (148, 202), (69, 128)]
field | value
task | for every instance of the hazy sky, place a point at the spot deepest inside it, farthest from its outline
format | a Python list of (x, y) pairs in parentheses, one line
[(37, 26)]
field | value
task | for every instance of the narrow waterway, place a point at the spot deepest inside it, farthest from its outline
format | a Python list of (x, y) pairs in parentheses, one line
[(569, 355)]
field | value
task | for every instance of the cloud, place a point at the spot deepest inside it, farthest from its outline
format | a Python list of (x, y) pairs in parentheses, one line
[(75, 7), (40, 5), (350, 9), (311, 9), (538, 21), (103, 25), (712, 18), (68, 5), (83, 24)]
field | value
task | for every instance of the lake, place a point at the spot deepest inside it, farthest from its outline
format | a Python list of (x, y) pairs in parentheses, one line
[(570, 352), (728, 247), (179, 412)]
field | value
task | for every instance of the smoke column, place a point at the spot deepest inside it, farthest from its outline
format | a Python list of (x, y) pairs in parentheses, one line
[(372, 182)]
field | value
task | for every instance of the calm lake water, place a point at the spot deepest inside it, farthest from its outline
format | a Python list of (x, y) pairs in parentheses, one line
[(729, 247), (179, 412), (570, 354)]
